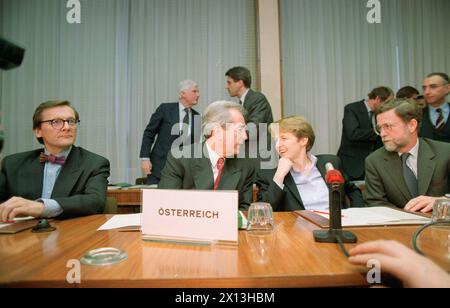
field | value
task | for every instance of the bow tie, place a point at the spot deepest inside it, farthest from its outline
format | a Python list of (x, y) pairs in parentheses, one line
[(44, 158)]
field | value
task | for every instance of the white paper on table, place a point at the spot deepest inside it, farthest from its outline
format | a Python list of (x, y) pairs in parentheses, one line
[(378, 216), (121, 221), (17, 219)]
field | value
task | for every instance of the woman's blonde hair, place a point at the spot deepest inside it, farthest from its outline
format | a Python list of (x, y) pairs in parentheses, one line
[(296, 125)]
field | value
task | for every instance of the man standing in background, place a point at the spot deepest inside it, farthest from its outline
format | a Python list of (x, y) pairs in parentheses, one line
[(256, 105), (170, 122), (359, 138), (435, 123)]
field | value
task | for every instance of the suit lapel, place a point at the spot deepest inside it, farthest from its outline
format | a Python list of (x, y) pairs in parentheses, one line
[(230, 177), (31, 178), (425, 167), (202, 174), (393, 167), (292, 188), (69, 174), (248, 99), (174, 116)]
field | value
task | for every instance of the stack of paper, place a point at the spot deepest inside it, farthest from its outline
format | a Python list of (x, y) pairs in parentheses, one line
[(371, 216)]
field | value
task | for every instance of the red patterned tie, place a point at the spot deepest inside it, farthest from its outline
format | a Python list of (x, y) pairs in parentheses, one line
[(220, 163), (44, 158)]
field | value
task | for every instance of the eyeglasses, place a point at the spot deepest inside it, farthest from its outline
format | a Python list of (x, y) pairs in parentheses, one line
[(59, 123), (386, 126)]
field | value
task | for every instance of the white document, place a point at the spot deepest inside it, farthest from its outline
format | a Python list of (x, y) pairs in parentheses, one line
[(368, 216), (17, 219), (121, 221)]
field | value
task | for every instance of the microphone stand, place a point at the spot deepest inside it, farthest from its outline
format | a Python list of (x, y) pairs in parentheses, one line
[(335, 234)]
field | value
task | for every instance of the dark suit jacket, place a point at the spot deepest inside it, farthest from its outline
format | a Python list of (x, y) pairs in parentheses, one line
[(385, 185), (358, 140), (197, 173), (160, 128), (258, 108), (80, 188), (289, 198), (258, 111), (427, 129)]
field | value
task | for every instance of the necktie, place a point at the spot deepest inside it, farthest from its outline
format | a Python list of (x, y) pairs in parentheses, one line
[(408, 175), (440, 120), (220, 163), (371, 118), (185, 120), (44, 158)]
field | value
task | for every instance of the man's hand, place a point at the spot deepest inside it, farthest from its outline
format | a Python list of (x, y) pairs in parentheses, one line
[(423, 204), (284, 166), (146, 167), (16, 207)]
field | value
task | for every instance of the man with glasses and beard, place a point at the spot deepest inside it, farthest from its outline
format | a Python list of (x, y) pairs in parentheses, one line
[(408, 172), (61, 180)]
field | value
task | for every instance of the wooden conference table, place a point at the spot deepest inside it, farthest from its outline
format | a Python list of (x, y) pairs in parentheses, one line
[(39, 260)]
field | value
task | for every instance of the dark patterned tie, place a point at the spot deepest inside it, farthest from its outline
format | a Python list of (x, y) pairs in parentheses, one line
[(371, 114), (220, 163), (44, 158), (185, 120), (440, 120), (408, 175)]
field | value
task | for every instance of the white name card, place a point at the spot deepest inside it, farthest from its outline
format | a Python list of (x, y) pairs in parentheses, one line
[(190, 215)]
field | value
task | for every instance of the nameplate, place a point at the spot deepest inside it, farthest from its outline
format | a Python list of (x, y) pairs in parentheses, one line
[(190, 216)]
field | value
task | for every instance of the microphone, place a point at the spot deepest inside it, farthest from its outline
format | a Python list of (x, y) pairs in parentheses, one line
[(333, 175), (335, 182)]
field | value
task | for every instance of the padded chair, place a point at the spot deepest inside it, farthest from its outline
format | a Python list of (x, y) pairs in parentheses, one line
[(110, 206)]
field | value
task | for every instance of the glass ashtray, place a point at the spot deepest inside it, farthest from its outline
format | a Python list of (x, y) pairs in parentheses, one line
[(103, 256)]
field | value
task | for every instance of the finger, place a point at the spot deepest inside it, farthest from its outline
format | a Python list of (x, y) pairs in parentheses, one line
[(420, 205), (380, 246), (18, 211), (411, 204), (6, 212), (428, 208), (387, 264), (10, 205)]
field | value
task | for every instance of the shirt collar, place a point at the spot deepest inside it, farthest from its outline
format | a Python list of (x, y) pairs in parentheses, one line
[(445, 108), (313, 164), (213, 156), (414, 151), (181, 107), (242, 98), (64, 153)]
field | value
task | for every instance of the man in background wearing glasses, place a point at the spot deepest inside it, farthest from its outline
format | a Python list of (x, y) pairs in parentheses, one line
[(436, 124), (61, 180), (409, 172)]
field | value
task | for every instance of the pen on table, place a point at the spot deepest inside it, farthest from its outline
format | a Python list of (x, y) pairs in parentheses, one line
[(324, 213)]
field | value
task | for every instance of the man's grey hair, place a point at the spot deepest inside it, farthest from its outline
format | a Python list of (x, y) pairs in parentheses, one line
[(186, 85), (218, 113)]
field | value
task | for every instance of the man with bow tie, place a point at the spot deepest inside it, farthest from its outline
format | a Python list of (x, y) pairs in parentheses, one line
[(61, 180)]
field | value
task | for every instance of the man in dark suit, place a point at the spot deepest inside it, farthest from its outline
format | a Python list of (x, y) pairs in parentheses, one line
[(259, 113), (61, 180), (358, 132), (172, 124), (298, 183), (409, 172), (435, 122), (214, 165)]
